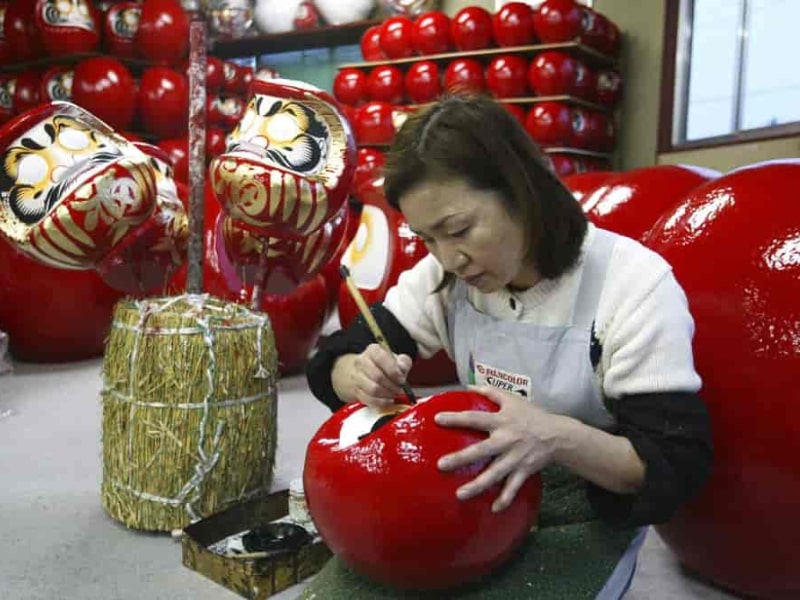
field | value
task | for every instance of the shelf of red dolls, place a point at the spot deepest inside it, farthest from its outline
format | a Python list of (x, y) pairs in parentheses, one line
[(319, 37), (591, 56), (134, 64), (527, 100)]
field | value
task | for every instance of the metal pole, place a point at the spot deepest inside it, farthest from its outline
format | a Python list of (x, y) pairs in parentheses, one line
[(197, 151)]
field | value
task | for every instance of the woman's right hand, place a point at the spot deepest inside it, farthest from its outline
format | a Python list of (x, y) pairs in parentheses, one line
[(373, 377)]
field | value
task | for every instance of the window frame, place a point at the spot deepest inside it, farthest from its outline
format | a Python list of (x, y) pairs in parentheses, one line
[(673, 10)]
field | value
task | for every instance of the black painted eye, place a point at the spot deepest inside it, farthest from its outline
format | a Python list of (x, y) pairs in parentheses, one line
[(384, 420), (365, 421)]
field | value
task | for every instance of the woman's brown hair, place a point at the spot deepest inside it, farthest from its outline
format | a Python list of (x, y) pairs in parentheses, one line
[(476, 139)]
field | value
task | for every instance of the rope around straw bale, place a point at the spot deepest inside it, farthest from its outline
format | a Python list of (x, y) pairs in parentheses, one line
[(199, 308)]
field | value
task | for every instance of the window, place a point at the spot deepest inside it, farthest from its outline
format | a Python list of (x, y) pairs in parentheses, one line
[(728, 72), (317, 66)]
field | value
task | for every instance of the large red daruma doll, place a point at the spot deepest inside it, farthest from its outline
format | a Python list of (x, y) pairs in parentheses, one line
[(630, 202), (381, 504), (734, 244)]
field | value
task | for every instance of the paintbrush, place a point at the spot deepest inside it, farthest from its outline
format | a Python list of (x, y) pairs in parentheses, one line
[(371, 323)]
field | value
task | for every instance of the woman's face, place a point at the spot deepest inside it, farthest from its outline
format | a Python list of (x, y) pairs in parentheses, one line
[(470, 233)]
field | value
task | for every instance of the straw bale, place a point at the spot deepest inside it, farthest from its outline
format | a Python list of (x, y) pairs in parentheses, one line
[(189, 410)]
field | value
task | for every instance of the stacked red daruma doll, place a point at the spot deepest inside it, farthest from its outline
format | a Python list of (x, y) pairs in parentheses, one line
[(564, 96)]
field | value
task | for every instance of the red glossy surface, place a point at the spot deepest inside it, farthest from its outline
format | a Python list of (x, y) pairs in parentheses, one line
[(471, 29), (512, 25), (734, 244), (215, 142), (350, 86), (105, 87), (423, 82), (52, 315), (307, 17), (588, 128), (557, 21), (386, 83), (120, 24), (552, 73), (609, 88), (396, 37), (177, 150), (612, 40), (550, 123), (5, 49), (582, 185), (148, 256), (385, 509), (371, 44), (67, 28), (163, 34), (27, 91), (374, 123), (565, 165), (280, 263), (369, 163), (246, 76), (215, 76), (506, 76), (21, 33), (231, 77), (594, 28), (224, 111), (585, 83), (163, 102), (431, 33), (464, 75), (631, 202)]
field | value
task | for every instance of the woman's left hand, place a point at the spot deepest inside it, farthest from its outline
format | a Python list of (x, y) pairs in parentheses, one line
[(522, 440)]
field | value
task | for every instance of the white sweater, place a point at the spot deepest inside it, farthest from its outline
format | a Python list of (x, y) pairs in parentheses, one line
[(642, 321)]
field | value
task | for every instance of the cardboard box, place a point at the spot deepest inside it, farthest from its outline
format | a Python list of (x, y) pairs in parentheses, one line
[(258, 578)]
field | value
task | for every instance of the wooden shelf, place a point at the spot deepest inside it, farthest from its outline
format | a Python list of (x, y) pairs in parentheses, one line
[(591, 56), (134, 64), (320, 37)]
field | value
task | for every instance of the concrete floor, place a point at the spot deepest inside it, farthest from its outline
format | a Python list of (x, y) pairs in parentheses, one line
[(57, 542)]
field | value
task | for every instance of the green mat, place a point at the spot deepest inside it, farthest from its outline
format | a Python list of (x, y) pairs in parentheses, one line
[(570, 557), (568, 562)]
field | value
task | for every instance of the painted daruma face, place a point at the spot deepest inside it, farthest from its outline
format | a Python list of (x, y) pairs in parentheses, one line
[(382, 505), (289, 162), (70, 188)]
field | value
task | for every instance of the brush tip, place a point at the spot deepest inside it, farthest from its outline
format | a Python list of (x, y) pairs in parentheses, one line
[(344, 271)]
